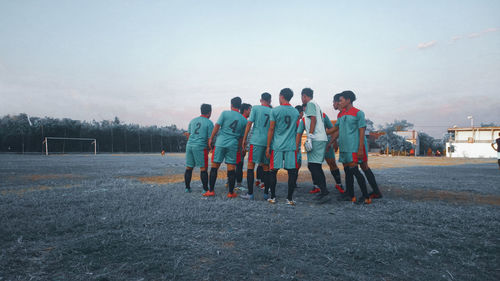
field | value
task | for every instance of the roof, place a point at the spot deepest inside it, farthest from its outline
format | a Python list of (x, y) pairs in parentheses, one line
[(475, 129)]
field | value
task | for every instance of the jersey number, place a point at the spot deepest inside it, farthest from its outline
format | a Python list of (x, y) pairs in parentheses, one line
[(267, 120), (288, 121), (234, 125), (197, 131)]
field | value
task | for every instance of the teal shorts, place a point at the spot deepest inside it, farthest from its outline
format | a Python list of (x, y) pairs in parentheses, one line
[(284, 159), (317, 154), (196, 157), (230, 154), (348, 157), (330, 154), (257, 154)]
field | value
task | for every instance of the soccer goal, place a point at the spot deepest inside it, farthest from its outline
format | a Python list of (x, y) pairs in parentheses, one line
[(45, 143)]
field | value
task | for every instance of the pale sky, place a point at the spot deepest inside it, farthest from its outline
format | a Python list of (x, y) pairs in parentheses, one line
[(432, 63)]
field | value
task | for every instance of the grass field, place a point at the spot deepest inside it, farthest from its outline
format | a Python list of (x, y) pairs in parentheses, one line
[(126, 217)]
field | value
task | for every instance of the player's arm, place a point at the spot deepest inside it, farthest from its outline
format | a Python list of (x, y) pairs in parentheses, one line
[(493, 146), (245, 136), (332, 131), (361, 142), (187, 135), (270, 135), (313, 124), (214, 132)]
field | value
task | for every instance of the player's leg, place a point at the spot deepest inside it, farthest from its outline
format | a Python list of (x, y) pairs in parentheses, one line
[(353, 166), (217, 158), (190, 164), (259, 175), (371, 180), (266, 177), (346, 159), (291, 165), (316, 157), (276, 164), (203, 170), (239, 169), (334, 170), (231, 160)]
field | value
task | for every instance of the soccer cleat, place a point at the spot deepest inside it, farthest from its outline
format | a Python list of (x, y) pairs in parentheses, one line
[(339, 188), (209, 193), (187, 190), (232, 195), (290, 202), (364, 200), (257, 183), (247, 196), (374, 195), (266, 196), (315, 190), (271, 200)]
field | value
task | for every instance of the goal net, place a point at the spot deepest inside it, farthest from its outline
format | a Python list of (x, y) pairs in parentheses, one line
[(69, 145)]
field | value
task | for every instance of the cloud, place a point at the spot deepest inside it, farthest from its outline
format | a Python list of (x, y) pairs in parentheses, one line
[(426, 45), (474, 34)]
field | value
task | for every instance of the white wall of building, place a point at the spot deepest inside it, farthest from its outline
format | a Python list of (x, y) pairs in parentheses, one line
[(471, 150)]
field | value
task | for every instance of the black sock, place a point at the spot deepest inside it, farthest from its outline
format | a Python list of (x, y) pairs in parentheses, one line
[(273, 181), (361, 181), (266, 177), (371, 179), (231, 177), (187, 177), (260, 173), (213, 178), (336, 176), (292, 182), (313, 174), (204, 179), (239, 172), (349, 181), (250, 181)]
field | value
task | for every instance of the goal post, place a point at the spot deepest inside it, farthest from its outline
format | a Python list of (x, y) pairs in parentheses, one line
[(45, 143)]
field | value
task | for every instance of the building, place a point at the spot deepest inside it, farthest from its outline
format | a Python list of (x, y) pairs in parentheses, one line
[(472, 142), (411, 137)]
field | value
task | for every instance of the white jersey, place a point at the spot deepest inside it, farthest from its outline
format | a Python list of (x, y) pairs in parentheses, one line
[(313, 109)]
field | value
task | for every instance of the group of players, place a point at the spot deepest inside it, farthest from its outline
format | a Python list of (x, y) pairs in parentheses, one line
[(272, 138)]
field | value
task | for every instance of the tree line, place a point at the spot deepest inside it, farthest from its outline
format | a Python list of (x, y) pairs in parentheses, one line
[(23, 134)]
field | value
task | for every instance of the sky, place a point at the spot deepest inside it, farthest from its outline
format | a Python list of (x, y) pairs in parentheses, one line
[(432, 63)]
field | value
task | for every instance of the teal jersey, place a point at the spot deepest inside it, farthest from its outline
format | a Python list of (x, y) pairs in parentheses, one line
[(328, 124), (232, 128), (313, 109), (326, 121), (200, 129), (285, 129), (260, 116), (300, 126), (349, 123)]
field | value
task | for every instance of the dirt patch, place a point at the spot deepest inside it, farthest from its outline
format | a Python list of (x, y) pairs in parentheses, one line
[(22, 191), (39, 177), (442, 195)]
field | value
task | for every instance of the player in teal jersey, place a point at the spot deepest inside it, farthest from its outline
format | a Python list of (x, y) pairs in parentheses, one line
[(199, 131), (231, 127), (245, 110), (300, 128), (316, 141), (260, 119), (350, 130), (282, 154), (330, 156)]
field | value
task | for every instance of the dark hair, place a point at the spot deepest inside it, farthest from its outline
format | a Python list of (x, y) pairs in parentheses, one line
[(236, 102), (205, 109), (348, 95), (336, 97), (266, 96), (308, 92), (300, 108), (244, 107), (287, 93)]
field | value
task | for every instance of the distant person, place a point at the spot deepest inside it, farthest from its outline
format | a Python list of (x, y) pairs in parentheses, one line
[(231, 127), (199, 131), (497, 142), (163, 152), (281, 147), (245, 111), (258, 124)]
